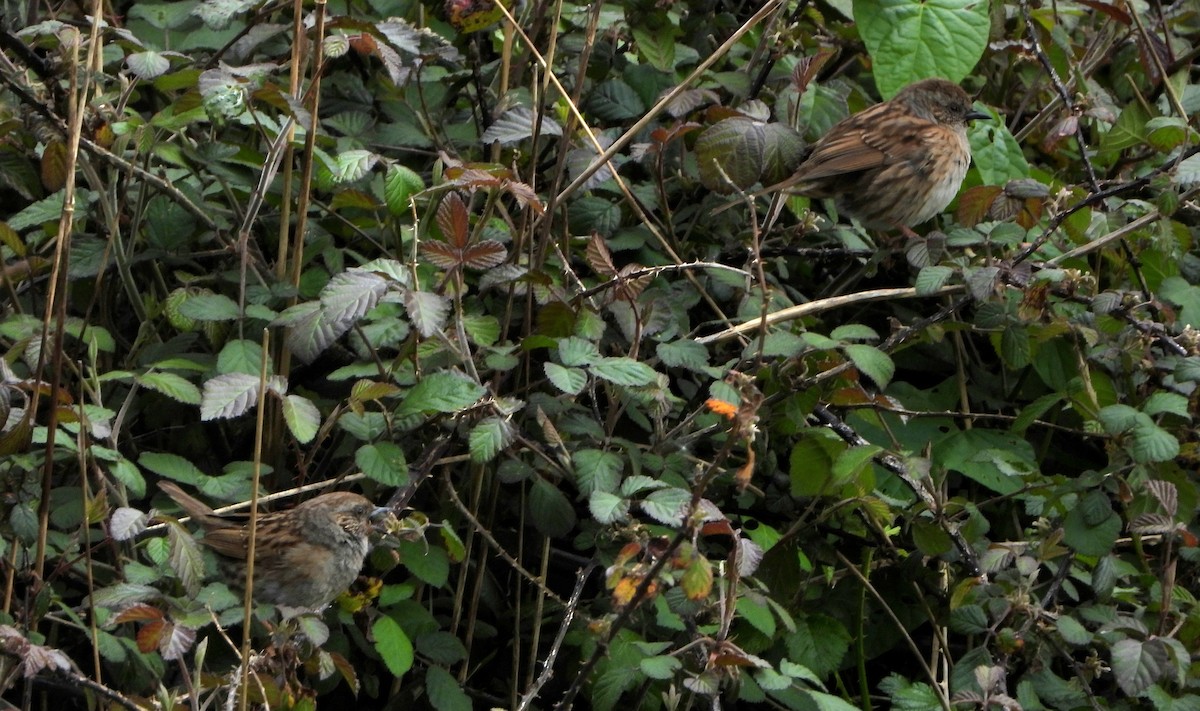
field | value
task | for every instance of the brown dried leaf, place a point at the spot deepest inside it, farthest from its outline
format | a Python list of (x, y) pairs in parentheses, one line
[(599, 258)]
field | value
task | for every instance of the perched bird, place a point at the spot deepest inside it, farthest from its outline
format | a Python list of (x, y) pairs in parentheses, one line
[(895, 164), (303, 557)]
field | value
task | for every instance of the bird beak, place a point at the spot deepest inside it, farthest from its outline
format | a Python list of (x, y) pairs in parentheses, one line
[(379, 512), (974, 115)]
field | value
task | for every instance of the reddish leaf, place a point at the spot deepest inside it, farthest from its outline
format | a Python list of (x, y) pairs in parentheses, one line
[(973, 205), (1109, 9), (485, 255), (453, 220), (525, 196), (140, 611), (806, 69), (599, 258), (150, 635), (442, 255)]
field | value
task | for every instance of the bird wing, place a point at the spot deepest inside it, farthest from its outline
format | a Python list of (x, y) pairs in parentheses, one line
[(229, 542)]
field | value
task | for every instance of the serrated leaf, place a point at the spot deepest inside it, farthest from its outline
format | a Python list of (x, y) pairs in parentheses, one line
[(349, 296), (597, 470), (171, 385), (930, 279), (490, 437), (427, 311), (684, 353), (186, 559), (172, 466), (210, 307), (624, 371), (384, 462), (445, 693), (1137, 664), (353, 164), (517, 124), (608, 508), (569, 380), (399, 185), (393, 645), (441, 392), (147, 65), (228, 395), (127, 523), (872, 362), (552, 513), (667, 506), (697, 579), (302, 417), (661, 667)]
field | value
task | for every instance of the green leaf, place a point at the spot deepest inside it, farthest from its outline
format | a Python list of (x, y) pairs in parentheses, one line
[(1152, 443), (1137, 664), (574, 352), (442, 391), (614, 100), (624, 371), (910, 40), (241, 356), (930, 279), (171, 385), (428, 311), (569, 380), (384, 462), (353, 164), (427, 563), (995, 459), (907, 696), (819, 643), (998, 156), (597, 470), (186, 559), (656, 46), (853, 461), (552, 513), (872, 362), (393, 645), (147, 65), (667, 506), (1092, 527), (608, 508), (490, 437), (660, 667), (829, 702), (302, 417), (684, 353), (399, 185), (1072, 632), (172, 466), (1161, 402), (228, 395), (757, 612), (441, 647), (445, 693), (729, 154), (210, 307)]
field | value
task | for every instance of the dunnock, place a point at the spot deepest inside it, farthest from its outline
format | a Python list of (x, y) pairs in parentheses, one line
[(303, 557), (896, 164)]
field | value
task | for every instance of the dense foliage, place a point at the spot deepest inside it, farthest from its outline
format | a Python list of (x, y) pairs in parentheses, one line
[(644, 451)]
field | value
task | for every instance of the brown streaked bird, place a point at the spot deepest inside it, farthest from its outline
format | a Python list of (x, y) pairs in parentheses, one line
[(303, 557), (895, 164)]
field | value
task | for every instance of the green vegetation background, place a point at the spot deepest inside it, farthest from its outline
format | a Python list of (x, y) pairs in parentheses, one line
[(467, 259)]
